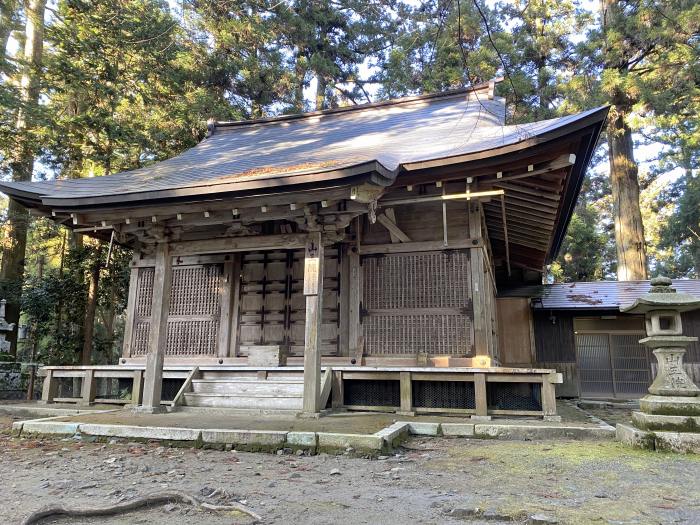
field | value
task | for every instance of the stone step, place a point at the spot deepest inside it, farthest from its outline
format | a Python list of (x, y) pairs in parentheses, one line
[(257, 402), (218, 386)]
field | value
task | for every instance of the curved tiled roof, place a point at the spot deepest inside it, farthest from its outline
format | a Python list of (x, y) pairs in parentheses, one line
[(379, 137)]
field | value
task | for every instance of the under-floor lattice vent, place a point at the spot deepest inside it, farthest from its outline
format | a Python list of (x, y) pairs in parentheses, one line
[(171, 386), (359, 392), (514, 396), (443, 394)]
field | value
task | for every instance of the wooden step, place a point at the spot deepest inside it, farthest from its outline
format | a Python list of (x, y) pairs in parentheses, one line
[(252, 388), (257, 401)]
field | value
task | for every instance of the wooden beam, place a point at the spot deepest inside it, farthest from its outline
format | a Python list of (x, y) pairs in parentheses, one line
[(392, 217), (157, 335), (394, 230), (505, 234), (288, 241), (313, 291), (446, 197), (529, 191), (420, 246)]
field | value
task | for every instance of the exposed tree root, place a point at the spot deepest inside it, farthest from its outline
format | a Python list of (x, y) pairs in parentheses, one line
[(157, 498)]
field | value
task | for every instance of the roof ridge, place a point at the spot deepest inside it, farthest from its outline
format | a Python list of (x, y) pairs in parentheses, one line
[(481, 87)]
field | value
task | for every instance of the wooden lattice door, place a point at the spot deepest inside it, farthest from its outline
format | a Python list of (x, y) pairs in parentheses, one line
[(415, 303), (613, 365), (272, 306)]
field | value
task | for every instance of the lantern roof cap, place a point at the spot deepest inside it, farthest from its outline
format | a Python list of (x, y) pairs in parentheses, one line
[(662, 296)]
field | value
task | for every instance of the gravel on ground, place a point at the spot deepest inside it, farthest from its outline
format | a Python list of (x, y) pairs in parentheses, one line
[(430, 480)]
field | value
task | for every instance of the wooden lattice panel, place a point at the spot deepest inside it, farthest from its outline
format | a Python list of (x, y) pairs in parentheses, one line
[(437, 334), (420, 280), (417, 302), (195, 290), (144, 294), (142, 317), (194, 314)]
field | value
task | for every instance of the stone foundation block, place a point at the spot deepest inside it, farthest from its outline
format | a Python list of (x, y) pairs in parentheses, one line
[(670, 405), (302, 439), (49, 427), (424, 429), (526, 432), (680, 442), (356, 441), (666, 423), (633, 437), (458, 429), (136, 432), (263, 438), (392, 432)]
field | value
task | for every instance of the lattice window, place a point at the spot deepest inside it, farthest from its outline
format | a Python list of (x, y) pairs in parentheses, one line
[(417, 302), (421, 280), (195, 290), (441, 334)]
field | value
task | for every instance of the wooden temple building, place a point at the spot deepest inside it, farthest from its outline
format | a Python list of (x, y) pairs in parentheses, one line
[(349, 258)]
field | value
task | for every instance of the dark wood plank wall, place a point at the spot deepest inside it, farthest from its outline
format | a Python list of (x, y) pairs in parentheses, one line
[(554, 336)]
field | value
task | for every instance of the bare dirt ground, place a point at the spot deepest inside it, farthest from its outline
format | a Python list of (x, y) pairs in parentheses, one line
[(429, 481)]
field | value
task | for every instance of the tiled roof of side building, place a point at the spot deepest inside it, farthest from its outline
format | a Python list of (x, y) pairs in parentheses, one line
[(598, 295)]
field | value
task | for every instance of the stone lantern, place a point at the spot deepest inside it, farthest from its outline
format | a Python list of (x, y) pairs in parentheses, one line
[(673, 402), (5, 328)]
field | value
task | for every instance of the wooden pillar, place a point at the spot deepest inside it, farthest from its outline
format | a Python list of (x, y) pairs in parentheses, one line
[(226, 302), (137, 388), (354, 298), (337, 394), (549, 398), (478, 284), (87, 390), (48, 392), (480, 397), (313, 291), (406, 393), (157, 336)]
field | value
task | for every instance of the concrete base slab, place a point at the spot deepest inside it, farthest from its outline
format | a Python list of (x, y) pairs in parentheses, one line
[(480, 418)]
